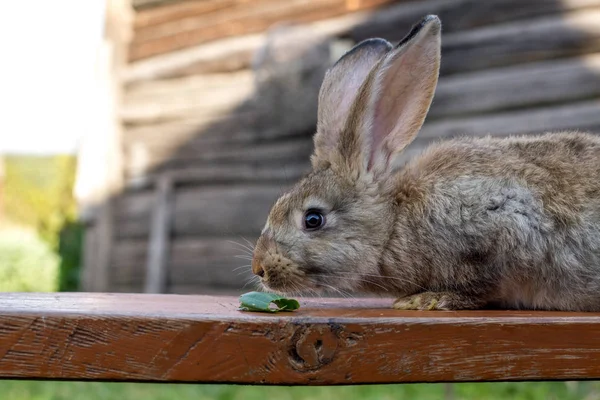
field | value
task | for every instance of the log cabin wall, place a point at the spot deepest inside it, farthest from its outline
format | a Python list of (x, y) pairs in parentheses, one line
[(220, 105)]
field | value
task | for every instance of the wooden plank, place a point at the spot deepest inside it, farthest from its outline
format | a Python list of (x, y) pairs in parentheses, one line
[(552, 37), (573, 116), (460, 15), (214, 149), (238, 19), (536, 84), (207, 262), (271, 152), (177, 10), (213, 155), (210, 96), (160, 229), (141, 4), (203, 339), (222, 55), (572, 36), (236, 173), (259, 15), (230, 54), (151, 12), (202, 211)]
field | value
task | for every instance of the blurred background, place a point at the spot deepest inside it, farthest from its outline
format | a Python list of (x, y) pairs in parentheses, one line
[(142, 142)]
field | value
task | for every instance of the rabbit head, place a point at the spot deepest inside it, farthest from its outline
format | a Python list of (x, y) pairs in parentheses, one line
[(330, 230)]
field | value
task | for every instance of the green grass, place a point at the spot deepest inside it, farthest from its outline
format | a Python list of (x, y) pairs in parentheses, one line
[(26, 390), (38, 194), (27, 263)]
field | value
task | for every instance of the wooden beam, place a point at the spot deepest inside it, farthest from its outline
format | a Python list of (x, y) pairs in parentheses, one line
[(160, 236), (202, 339)]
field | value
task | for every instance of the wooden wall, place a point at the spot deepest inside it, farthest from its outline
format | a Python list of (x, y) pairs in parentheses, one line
[(220, 105)]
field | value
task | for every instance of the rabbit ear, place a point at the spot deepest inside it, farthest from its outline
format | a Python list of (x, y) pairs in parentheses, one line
[(394, 101), (338, 92)]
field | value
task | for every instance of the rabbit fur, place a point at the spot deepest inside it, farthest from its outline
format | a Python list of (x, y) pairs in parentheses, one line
[(472, 222)]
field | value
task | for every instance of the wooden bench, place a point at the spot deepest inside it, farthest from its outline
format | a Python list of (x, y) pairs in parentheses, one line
[(174, 338)]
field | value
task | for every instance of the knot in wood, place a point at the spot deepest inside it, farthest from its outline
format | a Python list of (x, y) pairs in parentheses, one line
[(313, 347)]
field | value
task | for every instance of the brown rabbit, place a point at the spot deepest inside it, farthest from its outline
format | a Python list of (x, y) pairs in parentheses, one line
[(472, 222)]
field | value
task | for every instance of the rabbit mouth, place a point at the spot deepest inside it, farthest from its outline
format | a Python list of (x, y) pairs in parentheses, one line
[(289, 283), (289, 287), (314, 285)]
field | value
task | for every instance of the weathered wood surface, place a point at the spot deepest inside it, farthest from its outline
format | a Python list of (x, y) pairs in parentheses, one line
[(193, 96), (160, 237), (546, 38), (288, 151), (149, 17), (558, 30), (217, 210), (518, 87), (583, 115), (239, 18), (215, 262), (169, 338), (533, 84), (460, 15), (219, 174), (291, 153)]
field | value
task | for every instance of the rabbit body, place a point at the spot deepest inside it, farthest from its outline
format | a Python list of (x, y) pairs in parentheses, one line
[(513, 222), (472, 222)]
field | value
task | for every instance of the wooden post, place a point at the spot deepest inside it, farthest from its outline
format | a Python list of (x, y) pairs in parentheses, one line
[(100, 171), (160, 228)]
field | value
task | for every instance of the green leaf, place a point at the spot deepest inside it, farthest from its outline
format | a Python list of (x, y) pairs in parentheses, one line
[(267, 302)]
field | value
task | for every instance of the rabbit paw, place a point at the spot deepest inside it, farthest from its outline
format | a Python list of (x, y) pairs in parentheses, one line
[(423, 301), (439, 301)]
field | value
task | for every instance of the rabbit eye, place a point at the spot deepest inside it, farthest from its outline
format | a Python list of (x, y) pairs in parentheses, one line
[(313, 220)]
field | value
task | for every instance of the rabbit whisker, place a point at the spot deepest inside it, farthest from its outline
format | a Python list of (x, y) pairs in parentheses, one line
[(243, 246), (357, 279)]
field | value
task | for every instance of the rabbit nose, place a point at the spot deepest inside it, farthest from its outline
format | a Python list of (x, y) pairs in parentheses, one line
[(258, 269)]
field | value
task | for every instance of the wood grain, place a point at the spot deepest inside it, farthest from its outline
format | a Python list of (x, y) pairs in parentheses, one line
[(551, 37), (170, 338), (160, 240), (460, 15), (236, 20), (517, 87), (478, 35), (215, 210), (582, 115), (214, 262)]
